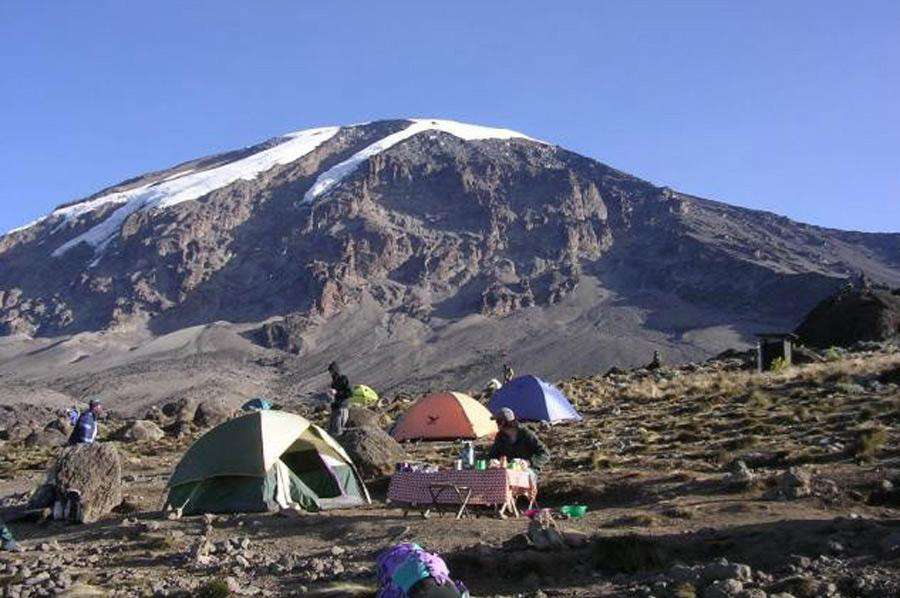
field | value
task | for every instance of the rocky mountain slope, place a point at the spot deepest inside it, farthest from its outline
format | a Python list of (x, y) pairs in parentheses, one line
[(405, 247)]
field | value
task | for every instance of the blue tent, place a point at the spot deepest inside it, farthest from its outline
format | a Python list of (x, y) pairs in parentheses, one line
[(257, 404), (532, 399)]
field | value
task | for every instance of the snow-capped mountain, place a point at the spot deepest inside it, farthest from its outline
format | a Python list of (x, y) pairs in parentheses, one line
[(425, 229)]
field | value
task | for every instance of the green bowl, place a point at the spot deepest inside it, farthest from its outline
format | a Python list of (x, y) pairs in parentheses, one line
[(573, 511)]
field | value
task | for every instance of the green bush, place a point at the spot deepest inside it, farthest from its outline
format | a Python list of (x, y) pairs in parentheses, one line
[(779, 364), (216, 588)]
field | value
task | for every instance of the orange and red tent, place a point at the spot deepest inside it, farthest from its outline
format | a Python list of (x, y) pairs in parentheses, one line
[(445, 416)]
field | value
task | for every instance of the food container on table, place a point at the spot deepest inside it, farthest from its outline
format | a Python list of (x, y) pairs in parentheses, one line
[(467, 455), (481, 465), (458, 465)]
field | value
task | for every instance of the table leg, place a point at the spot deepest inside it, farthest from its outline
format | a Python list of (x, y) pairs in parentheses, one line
[(465, 503)]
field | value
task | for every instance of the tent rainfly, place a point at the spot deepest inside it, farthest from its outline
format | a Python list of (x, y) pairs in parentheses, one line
[(262, 461), (445, 416), (533, 399)]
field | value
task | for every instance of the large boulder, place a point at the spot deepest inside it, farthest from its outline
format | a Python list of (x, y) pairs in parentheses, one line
[(183, 410), (373, 451), (852, 316), (140, 430), (212, 412), (47, 437), (20, 420), (360, 417), (84, 484), (792, 484)]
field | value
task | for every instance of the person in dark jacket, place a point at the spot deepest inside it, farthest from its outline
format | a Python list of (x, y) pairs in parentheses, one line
[(341, 392), (7, 542), (85, 430), (516, 442)]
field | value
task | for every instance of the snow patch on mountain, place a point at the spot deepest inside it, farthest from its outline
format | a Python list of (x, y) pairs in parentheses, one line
[(185, 187), (332, 177)]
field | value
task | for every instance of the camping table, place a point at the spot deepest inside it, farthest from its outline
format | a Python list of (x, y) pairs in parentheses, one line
[(496, 487)]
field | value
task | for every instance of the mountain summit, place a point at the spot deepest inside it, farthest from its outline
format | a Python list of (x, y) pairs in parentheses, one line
[(421, 245)]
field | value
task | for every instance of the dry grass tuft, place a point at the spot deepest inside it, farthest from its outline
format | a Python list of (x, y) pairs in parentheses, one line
[(869, 441)]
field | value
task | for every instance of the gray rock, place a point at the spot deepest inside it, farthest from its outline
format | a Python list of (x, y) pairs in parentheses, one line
[(740, 476), (374, 452), (723, 589), (212, 412), (794, 483), (141, 430), (723, 570)]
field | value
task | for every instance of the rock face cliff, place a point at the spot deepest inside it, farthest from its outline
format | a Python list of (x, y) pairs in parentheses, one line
[(421, 224)]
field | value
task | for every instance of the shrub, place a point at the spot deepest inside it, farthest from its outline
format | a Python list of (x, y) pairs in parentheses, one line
[(779, 364), (684, 590), (627, 554), (216, 588), (832, 354), (600, 460), (869, 441)]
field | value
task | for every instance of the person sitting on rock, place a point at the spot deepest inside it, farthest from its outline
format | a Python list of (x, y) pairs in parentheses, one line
[(516, 442), (7, 542), (408, 571), (341, 393), (85, 430)]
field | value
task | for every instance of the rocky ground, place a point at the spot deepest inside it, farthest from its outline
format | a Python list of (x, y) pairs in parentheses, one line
[(703, 480)]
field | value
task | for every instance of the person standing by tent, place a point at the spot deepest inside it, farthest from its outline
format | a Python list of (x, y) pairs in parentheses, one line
[(341, 393), (508, 373), (516, 442), (85, 430)]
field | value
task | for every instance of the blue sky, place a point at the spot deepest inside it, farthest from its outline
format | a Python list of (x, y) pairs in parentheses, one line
[(792, 107)]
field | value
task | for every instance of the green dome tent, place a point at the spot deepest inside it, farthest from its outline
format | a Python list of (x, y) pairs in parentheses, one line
[(262, 461)]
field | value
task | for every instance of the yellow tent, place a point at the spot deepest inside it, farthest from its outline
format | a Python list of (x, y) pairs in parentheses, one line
[(363, 396)]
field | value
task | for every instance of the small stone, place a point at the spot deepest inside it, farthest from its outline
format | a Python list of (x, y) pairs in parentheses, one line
[(723, 589), (337, 550), (37, 579)]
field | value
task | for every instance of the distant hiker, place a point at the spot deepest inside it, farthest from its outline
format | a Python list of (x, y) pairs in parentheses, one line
[(341, 393), (408, 571), (72, 415), (85, 430), (492, 387), (656, 362), (516, 442), (508, 373), (7, 542)]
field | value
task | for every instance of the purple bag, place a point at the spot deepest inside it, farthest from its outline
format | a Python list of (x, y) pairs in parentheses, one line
[(396, 565)]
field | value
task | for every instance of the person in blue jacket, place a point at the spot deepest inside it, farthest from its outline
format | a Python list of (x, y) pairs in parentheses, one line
[(85, 431)]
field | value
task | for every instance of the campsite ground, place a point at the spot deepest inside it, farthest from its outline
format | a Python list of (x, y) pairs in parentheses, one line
[(653, 461)]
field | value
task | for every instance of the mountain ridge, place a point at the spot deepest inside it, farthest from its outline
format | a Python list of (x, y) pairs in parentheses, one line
[(455, 229)]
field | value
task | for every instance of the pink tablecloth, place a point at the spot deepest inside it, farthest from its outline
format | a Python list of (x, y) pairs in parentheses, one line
[(489, 486)]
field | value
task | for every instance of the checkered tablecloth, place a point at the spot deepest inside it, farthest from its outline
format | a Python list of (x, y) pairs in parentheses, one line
[(489, 487)]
